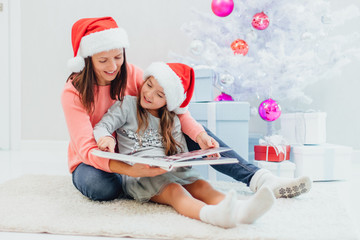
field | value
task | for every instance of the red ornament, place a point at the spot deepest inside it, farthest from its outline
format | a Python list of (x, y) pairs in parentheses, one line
[(260, 21), (239, 46)]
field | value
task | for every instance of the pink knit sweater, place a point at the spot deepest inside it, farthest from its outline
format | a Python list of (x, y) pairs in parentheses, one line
[(80, 124)]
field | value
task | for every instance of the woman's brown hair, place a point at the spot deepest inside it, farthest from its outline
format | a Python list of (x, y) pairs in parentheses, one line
[(85, 83), (166, 126)]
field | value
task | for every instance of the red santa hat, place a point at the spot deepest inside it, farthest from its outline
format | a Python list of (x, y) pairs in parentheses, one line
[(178, 82), (93, 35)]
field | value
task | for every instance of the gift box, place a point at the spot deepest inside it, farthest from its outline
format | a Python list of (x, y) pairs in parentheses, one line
[(269, 153), (204, 89), (229, 121), (304, 128), (281, 169), (322, 162)]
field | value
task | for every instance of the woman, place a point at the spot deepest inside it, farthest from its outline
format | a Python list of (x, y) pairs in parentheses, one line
[(101, 76)]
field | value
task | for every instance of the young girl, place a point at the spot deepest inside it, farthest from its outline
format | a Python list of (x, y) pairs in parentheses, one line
[(146, 126)]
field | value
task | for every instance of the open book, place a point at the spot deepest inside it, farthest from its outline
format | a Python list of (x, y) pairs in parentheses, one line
[(169, 162)]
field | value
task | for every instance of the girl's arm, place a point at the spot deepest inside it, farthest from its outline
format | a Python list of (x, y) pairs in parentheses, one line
[(112, 120), (107, 144)]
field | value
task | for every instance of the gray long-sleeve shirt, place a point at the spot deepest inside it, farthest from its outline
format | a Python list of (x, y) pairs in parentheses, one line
[(121, 117)]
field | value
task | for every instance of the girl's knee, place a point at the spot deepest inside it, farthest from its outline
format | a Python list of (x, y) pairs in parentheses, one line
[(201, 185), (174, 189)]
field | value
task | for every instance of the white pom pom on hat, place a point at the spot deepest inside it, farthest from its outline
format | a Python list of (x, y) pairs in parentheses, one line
[(178, 82), (76, 64), (93, 35)]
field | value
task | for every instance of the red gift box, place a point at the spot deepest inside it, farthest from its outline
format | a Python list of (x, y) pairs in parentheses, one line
[(261, 151)]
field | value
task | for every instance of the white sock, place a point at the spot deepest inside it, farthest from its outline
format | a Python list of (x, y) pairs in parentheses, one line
[(281, 187), (223, 214), (250, 210)]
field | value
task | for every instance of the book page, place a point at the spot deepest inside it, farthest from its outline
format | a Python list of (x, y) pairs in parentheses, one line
[(168, 161), (194, 154)]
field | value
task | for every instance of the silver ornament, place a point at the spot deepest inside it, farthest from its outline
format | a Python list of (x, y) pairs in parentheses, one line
[(226, 79), (196, 47)]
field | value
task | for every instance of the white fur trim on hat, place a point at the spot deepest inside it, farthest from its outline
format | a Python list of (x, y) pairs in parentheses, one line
[(169, 81), (114, 38), (103, 41), (180, 110)]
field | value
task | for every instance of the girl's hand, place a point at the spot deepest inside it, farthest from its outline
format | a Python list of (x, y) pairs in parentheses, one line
[(107, 144), (143, 170), (205, 142)]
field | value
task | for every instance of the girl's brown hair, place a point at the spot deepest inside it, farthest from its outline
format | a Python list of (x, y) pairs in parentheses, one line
[(85, 83), (166, 126)]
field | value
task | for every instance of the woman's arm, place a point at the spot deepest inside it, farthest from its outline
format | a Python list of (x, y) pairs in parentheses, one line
[(80, 129), (190, 126), (136, 170), (196, 132), (134, 80)]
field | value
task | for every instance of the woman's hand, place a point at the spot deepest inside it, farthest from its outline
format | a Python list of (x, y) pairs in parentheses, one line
[(205, 142), (143, 170), (107, 144)]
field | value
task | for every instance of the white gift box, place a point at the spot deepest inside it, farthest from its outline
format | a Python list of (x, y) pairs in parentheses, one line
[(322, 162), (204, 89), (229, 121), (304, 128), (281, 169)]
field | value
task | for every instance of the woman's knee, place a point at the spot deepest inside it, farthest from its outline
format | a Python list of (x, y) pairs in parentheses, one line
[(96, 184)]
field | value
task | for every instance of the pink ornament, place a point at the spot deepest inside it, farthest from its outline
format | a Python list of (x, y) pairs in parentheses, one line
[(269, 110), (222, 8), (239, 46), (224, 97), (260, 21)]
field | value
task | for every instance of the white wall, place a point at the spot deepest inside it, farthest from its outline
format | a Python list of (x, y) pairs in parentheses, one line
[(4, 77), (154, 30)]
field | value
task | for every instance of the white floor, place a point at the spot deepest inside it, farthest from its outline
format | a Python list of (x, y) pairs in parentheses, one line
[(15, 164)]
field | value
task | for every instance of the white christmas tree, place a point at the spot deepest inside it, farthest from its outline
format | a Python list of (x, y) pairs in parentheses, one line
[(297, 48)]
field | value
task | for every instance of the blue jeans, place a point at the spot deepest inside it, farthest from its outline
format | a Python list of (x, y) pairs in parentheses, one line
[(241, 171), (97, 184), (103, 186)]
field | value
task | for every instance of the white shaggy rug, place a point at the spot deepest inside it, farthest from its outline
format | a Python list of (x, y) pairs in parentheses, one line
[(51, 204)]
